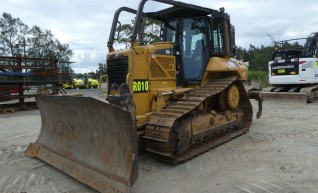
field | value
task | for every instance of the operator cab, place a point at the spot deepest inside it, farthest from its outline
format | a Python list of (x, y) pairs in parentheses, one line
[(197, 36)]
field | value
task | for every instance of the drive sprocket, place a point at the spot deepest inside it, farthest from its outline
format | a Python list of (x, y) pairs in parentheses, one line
[(233, 97)]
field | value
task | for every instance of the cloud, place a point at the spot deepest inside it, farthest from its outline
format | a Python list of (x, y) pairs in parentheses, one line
[(85, 25)]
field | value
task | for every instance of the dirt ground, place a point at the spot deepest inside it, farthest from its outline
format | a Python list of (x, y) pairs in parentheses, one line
[(278, 155)]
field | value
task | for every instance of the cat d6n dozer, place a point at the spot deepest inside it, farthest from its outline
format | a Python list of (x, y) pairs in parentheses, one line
[(175, 99)]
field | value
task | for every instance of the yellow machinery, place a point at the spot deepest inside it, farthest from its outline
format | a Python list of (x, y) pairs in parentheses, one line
[(67, 85), (176, 99), (74, 82), (89, 82)]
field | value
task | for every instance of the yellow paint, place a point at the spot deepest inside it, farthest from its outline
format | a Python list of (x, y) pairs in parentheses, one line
[(151, 76), (140, 86), (281, 71), (218, 67)]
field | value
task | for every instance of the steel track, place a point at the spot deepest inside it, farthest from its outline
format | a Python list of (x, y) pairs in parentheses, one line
[(161, 123)]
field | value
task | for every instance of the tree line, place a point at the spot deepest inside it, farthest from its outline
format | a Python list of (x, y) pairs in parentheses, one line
[(19, 40), (258, 57)]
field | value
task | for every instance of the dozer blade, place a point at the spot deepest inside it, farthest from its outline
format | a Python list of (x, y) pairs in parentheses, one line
[(88, 139), (285, 97)]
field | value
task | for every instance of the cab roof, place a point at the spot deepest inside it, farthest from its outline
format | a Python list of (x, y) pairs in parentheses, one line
[(176, 11)]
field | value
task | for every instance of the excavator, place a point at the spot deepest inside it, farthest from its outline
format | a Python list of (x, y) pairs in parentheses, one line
[(175, 99), (74, 82), (293, 73)]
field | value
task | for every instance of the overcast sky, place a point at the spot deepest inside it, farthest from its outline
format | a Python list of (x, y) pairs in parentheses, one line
[(85, 25)]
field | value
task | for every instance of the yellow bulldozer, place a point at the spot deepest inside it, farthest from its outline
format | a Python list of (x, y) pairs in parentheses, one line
[(175, 99)]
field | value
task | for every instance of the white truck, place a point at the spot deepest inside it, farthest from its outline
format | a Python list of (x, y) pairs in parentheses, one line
[(293, 74)]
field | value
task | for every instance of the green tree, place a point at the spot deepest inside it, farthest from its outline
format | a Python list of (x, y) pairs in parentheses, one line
[(260, 57), (94, 75), (124, 34), (17, 39), (291, 45), (41, 43), (152, 31), (242, 54), (12, 33), (102, 70)]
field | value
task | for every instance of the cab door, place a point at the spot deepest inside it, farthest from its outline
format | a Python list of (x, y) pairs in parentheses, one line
[(194, 49)]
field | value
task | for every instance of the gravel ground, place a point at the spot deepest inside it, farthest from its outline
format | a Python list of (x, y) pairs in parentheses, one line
[(277, 155)]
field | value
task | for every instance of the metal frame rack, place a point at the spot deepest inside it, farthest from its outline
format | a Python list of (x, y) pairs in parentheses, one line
[(21, 73)]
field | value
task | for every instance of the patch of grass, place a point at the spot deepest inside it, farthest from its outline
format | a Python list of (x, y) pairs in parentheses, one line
[(259, 75)]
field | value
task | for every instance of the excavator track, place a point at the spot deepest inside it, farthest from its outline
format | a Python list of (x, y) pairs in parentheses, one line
[(311, 92), (160, 130)]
